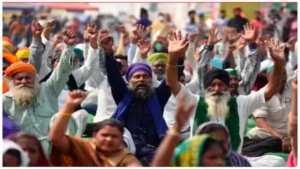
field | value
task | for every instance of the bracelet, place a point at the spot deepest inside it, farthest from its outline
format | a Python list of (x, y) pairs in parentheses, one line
[(175, 66), (66, 114), (173, 132)]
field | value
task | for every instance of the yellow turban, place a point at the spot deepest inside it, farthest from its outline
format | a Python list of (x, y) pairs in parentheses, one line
[(19, 67), (9, 46), (157, 56), (23, 53), (5, 38)]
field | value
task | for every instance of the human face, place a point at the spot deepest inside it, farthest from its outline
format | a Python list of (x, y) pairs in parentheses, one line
[(221, 135), (24, 60), (217, 86), (124, 66), (140, 80), (24, 78), (159, 69), (30, 147), (234, 84), (213, 157), (237, 12), (10, 161), (109, 139), (222, 14)]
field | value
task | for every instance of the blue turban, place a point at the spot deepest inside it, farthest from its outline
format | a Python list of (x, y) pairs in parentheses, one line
[(135, 67)]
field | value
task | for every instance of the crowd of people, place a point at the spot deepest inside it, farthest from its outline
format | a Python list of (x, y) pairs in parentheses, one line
[(159, 98)]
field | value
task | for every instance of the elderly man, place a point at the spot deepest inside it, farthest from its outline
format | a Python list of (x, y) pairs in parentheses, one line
[(30, 104), (158, 63), (217, 104), (272, 118), (140, 106), (249, 65)]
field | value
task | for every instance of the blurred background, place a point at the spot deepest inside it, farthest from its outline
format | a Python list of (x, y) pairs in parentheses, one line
[(109, 15)]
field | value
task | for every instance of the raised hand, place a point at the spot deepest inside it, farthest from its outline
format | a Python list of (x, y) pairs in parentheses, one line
[(144, 48), (107, 43), (193, 36), (295, 82), (141, 31), (102, 33), (36, 29), (75, 98), (213, 37), (277, 52), (92, 35), (50, 25), (241, 44), (121, 28), (182, 114), (178, 45), (69, 37), (249, 33)]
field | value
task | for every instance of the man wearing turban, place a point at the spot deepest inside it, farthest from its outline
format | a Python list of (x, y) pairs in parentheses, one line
[(140, 105), (23, 54), (31, 104), (8, 59), (158, 63), (216, 104)]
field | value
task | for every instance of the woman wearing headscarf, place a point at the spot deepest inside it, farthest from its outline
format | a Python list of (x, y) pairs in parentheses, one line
[(198, 151), (233, 159), (13, 155), (31, 145)]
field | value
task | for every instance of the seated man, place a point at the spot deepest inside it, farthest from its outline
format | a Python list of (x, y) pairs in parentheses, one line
[(140, 105), (272, 118)]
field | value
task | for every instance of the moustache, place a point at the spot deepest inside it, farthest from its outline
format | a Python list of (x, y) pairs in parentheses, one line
[(25, 86), (216, 93)]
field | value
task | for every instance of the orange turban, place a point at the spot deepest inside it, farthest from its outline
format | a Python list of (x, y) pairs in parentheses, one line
[(19, 67), (10, 58)]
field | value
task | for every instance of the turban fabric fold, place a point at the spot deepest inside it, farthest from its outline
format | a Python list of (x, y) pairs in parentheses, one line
[(136, 67), (231, 72), (19, 67), (8, 46), (9, 58), (7, 39), (216, 74), (157, 56), (23, 53)]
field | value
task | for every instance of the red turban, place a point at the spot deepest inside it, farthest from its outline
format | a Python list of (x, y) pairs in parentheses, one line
[(19, 67)]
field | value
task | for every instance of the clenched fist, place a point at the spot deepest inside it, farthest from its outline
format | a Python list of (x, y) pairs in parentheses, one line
[(69, 37)]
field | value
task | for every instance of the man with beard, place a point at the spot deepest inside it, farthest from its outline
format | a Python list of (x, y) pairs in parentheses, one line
[(140, 106), (249, 65), (216, 104), (30, 104), (158, 63), (238, 21)]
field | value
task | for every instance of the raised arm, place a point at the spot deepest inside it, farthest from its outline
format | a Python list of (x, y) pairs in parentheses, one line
[(61, 73), (36, 48), (177, 48), (276, 75), (165, 152), (115, 80), (57, 131), (293, 119), (82, 74), (191, 50), (205, 57), (252, 65)]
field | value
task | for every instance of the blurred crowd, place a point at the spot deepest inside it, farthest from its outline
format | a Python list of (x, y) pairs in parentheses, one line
[(206, 93)]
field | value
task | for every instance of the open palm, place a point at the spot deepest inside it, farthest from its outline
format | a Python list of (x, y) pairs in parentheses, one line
[(249, 35), (182, 114), (213, 37), (144, 47), (178, 45), (277, 52)]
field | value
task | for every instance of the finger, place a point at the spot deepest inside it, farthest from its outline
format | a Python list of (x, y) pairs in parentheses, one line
[(219, 40), (179, 35), (245, 28), (186, 37), (277, 43), (169, 38), (186, 45), (217, 33), (174, 35)]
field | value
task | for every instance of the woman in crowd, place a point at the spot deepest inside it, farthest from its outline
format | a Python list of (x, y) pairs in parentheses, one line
[(233, 159), (13, 155), (31, 145)]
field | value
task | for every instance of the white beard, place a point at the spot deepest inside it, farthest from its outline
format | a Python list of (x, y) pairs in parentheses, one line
[(217, 105), (24, 96)]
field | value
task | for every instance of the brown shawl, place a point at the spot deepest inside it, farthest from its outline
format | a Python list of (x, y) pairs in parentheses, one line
[(83, 153)]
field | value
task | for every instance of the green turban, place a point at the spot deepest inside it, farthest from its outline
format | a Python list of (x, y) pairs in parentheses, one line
[(158, 56), (232, 72)]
